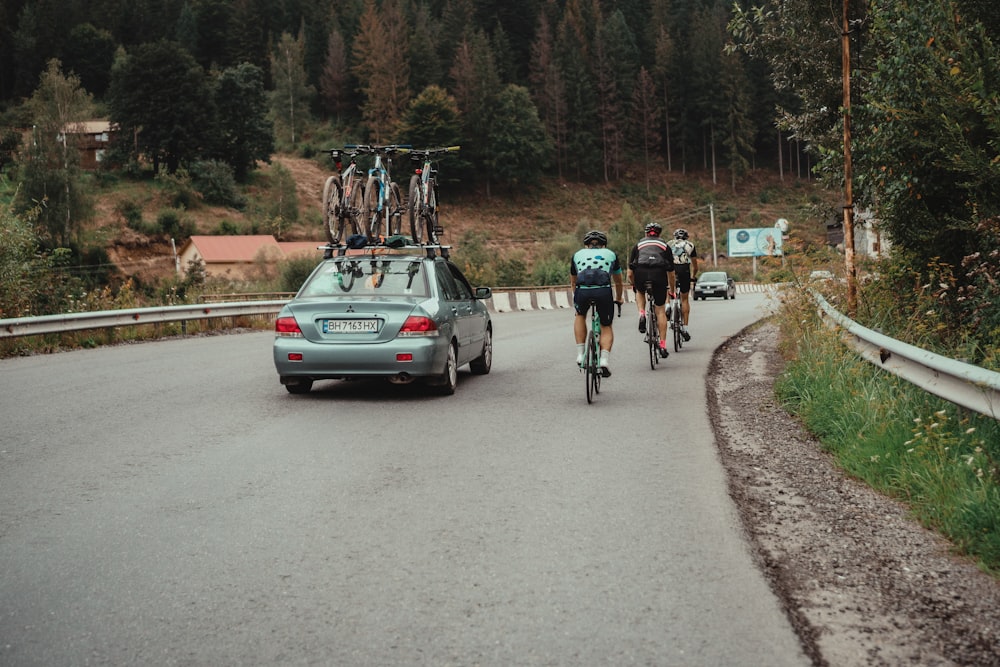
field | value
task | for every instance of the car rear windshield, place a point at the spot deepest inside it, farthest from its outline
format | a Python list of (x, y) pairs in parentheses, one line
[(712, 277), (367, 277)]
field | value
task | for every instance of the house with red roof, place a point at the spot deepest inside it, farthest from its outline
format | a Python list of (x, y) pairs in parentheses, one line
[(234, 256)]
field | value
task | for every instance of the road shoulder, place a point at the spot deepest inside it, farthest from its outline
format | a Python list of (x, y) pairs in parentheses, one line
[(862, 583)]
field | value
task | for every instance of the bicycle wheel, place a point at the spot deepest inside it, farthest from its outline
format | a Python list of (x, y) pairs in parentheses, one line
[(589, 368), (676, 325), (414, 205), (353, 214), (431, 215), (395, 211), (333, 196), (652, 336), (373, 200)]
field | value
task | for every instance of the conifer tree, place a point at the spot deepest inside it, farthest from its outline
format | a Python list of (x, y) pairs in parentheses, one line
[(547, 89), (381, 67), (645, 119)]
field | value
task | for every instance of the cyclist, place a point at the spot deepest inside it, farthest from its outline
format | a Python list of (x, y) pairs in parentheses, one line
[(592, 270), (652, 259), (685, 270)]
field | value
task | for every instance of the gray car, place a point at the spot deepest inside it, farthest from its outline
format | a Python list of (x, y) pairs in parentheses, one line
[(714, 283), (379, 314)]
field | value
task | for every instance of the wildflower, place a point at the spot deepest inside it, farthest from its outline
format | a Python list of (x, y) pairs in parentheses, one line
[(934, 425), (970, 431), (941, 414)]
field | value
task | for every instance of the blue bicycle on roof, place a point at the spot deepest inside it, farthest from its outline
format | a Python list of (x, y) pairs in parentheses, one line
[(383, 203)]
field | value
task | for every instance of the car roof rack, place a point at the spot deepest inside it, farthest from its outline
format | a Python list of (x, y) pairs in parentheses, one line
[(381, 248)]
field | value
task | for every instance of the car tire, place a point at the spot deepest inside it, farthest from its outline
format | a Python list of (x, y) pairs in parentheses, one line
[(481, 365), (446, 383), (300, 387)]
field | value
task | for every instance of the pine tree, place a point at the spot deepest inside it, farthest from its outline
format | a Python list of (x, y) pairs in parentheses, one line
[(380, 65), (547, 89), (334, 80), (645, 118)]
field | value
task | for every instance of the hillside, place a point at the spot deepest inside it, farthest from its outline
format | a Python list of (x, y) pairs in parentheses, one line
[(516, 226)]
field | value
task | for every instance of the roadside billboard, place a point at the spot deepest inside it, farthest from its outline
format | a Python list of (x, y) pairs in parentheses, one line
[(755, 242)]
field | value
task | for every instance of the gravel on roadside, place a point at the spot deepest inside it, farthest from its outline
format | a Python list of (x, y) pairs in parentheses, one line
[(861, 581)]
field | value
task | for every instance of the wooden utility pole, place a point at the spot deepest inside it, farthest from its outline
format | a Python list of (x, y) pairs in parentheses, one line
[(852, 283)]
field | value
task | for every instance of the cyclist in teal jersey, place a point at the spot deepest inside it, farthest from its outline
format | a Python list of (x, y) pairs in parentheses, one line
[(592, 271)]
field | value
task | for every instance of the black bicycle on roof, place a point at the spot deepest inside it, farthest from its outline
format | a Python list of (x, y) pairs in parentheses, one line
[(343, 197), (422, 202)]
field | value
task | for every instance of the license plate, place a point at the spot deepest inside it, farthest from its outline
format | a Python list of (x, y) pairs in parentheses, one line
[(351, 326)]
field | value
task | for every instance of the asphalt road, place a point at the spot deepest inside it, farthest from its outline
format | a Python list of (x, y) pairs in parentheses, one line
[(169, 503)]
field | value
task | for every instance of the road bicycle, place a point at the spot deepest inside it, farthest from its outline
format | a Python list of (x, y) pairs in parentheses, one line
[(343, 197), (591, 365), (676, 321), (652, 327), (382, 198), (422, 202)]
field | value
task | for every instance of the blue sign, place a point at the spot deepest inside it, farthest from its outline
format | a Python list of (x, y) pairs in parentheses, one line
[(759, 242)]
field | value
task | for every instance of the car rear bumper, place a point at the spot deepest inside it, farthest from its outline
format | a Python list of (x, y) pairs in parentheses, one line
[(415, 357)]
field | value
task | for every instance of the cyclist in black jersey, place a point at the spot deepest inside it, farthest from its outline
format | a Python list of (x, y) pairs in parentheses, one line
[(652, 260)]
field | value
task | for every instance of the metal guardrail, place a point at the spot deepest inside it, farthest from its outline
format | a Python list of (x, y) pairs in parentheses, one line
[(102, 319), (964, 384)]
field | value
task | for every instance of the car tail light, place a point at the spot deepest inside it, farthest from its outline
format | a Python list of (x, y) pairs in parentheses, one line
[(404, 356), (419, 325), (295, 356), (287, 327)]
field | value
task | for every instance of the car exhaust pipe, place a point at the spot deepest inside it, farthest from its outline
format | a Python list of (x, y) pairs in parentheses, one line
[(401, 378)]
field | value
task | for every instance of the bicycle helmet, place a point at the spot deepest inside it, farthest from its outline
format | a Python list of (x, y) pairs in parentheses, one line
[(654, 228), (594, 235), (681, 234)]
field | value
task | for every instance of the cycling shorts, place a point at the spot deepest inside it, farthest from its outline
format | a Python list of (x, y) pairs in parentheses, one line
[(683, 273), (659, 278), (605, 302)]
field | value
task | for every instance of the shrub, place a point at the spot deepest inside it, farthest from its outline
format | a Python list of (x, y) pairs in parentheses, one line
[(216, 183), (173, 223), (293, 272)]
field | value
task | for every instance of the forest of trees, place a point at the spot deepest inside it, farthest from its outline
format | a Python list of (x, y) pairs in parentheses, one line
[(577, 89), (610, 82)]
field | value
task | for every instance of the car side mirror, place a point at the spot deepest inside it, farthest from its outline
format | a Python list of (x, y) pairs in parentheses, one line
[(483, 292)]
